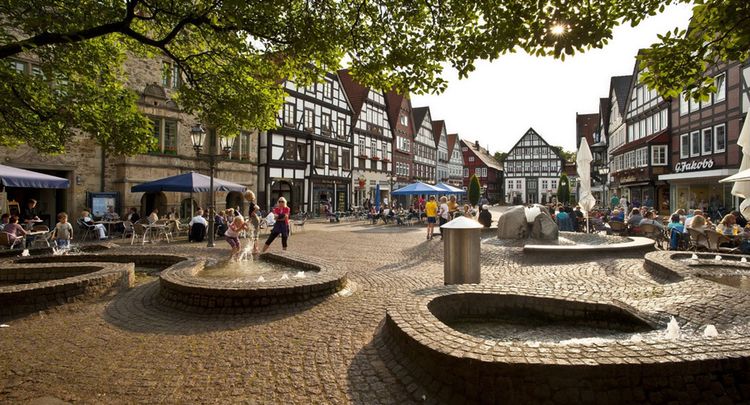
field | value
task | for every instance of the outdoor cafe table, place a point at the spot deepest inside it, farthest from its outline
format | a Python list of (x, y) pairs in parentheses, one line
[(109, 225), (29, 223)]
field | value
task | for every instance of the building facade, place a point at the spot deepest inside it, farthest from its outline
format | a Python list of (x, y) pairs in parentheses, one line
[(91, 171), (425, 149), (637, 163), (373, 141), (441, 142), (477, 160), (532, 171), (308, 158), (455, 161), (704, 142)]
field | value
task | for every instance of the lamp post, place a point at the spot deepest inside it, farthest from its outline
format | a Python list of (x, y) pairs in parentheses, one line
[(391, 182), (198, 134), (604, 171)]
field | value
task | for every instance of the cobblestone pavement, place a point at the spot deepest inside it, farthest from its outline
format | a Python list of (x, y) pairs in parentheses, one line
[(128, 348)]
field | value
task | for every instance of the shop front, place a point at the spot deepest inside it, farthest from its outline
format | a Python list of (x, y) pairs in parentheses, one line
[(328, 191), (702, 190)]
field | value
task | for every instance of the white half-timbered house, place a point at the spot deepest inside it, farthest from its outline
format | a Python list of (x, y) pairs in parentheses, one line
[(425, 149), (307, 159), (532, 170), (441, 142), (372, 137)]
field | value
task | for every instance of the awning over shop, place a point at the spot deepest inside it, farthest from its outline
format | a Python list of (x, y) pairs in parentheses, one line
[(697, 175), (187, 183), (15, 177)]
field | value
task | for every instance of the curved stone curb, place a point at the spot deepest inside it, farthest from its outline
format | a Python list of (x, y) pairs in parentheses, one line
[(635, 243), (181, 288), (672, 267), (60, 283), (508, 372)]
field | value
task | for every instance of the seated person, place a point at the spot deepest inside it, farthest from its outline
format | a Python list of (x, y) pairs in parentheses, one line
[(649, 219), (14, 230), (676, 231), (30, 212), (197, 226), (485, 217), (739, 218), (564, 223), (133, 215), (635, 217), (110, 215), (728, 225), (154, 216), (220, 223), (4, 220), (330, 215), (87, 221), (617, 215)]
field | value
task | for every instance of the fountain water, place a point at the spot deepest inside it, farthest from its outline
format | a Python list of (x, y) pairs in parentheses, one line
[(673, 329), (710, 331)]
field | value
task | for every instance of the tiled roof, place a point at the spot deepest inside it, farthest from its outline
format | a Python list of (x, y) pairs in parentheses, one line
[(437, 129), (355, 92), (452, 138), (621, 85), (393, 105), (483, 155), (419, 114)]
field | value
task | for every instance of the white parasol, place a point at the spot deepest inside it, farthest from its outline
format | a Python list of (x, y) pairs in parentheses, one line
[(742, 188), (583, 162)]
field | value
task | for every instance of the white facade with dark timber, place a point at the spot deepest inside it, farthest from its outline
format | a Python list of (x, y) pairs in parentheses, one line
[(532, 170), (442, 174), (425, 149), (455, 162), (307, 159)]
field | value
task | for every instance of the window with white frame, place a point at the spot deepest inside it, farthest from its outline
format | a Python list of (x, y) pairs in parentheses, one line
[(695, 143), (518, 184), (309, 119), (327, 89), (720, 138), (510, 184), (553, 184), (471, 158), (241, 147), (707, 141), (289, 115), (659, 155), (721, 87), (404, 119), (684, 146), (341, 128), (545, 183), (466, 172)]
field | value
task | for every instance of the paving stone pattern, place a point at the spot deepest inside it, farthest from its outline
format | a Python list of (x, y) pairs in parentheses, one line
[(131, 348)]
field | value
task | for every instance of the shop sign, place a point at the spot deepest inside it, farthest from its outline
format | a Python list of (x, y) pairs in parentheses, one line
[(681, 167)]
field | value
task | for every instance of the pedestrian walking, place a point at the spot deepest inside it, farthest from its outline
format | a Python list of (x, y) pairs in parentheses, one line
[(281, 226), (63, 231)]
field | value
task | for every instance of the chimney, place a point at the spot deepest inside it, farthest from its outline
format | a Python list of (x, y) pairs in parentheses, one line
[(476, 144)]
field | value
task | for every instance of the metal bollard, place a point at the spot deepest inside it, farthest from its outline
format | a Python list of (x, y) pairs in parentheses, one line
[(461, 239)]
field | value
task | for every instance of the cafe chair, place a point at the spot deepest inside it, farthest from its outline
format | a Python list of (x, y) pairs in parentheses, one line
[(85, 229), (698, 240), (653, 232), (140, 232), (618, 228), (715, 240), (20, 241)]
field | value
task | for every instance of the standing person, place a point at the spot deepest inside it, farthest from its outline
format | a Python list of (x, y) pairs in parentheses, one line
[(232, 236), (63, 231), (452, 205), (443, 214), (281, 226), (614, 202), (430, 210)]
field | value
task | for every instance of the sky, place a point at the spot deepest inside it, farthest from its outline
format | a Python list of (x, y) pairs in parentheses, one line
[(501, 100)]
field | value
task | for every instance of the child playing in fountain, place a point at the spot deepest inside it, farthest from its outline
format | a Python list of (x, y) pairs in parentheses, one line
[(63, 231), (232, 235)]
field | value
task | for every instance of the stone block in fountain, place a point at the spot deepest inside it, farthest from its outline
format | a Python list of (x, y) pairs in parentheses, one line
[(520, 222)]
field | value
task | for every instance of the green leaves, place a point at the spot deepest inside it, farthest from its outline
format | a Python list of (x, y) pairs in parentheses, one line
[(563, 189), (474, 190), (235, 54)]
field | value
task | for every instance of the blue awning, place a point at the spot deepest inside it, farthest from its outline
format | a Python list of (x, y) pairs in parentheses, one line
[(418, 188), (448, 189), (15, 177), (187, 183)]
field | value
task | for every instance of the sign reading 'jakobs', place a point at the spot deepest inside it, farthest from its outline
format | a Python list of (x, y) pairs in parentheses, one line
[(694, 165)]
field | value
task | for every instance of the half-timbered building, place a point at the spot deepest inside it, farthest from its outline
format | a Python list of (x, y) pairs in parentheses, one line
[(372, 137), (441, 142), (425, 149), (455, 161), (643, 156), (308, 159), (532, 170)]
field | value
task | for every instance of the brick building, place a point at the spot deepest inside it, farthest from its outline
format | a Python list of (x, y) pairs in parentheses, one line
[(477, 160)]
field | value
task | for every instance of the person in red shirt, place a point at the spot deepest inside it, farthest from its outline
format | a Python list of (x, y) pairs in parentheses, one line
[(281, 226)]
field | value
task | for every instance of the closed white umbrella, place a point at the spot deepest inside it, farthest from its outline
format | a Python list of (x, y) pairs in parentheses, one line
[(742, 188), (583, 162)]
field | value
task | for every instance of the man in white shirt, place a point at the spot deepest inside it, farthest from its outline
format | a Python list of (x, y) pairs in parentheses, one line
[(196, 234), (198, 219)]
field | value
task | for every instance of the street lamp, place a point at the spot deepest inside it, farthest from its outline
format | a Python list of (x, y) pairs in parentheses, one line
[(604, 171), (197, 133), (392, 181)]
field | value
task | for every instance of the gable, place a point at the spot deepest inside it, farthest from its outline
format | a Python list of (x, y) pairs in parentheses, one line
[(532, 144)]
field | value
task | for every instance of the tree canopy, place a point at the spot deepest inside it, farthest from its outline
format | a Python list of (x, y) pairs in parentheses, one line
[(475, 190), (719, 32), (234, 54)]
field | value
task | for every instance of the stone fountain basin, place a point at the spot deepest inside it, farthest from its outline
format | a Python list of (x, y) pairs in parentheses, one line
[(510, 317), (503, 370), (184, 285)]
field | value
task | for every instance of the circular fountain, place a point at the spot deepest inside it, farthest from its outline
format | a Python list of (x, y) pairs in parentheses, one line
[(488, 344), (247, 286)]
